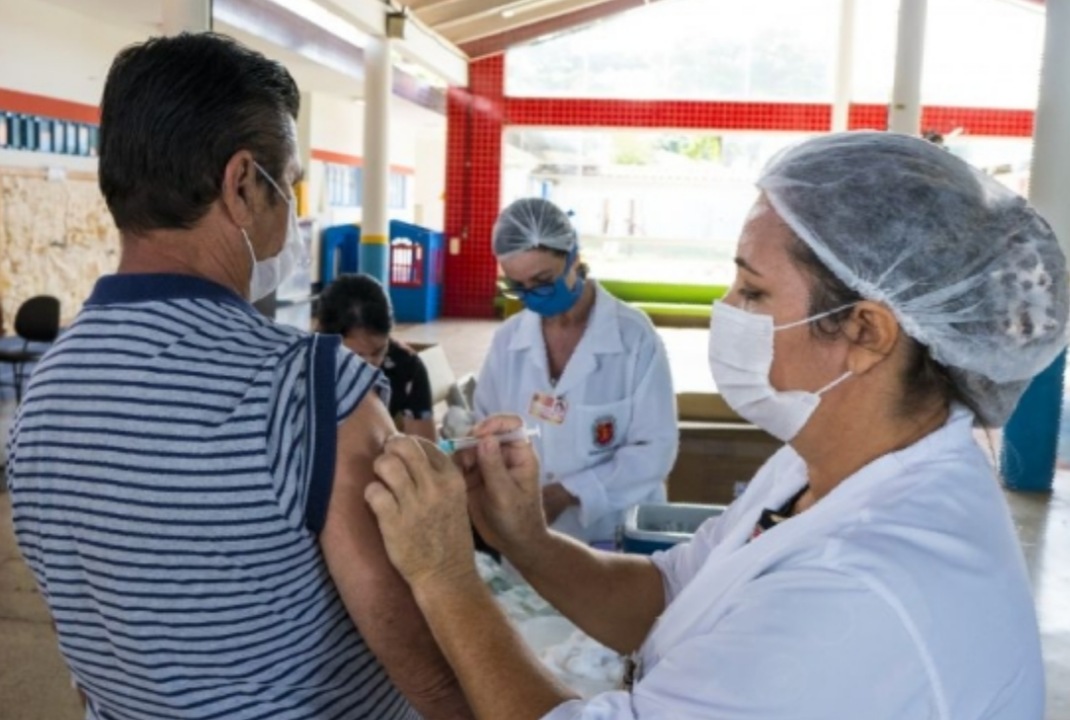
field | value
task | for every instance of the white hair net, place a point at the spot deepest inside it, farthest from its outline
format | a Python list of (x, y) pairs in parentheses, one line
[(531, 223), (969, 268)]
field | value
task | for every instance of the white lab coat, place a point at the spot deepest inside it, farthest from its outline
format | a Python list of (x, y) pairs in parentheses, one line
[(618, 377), (901, 595)]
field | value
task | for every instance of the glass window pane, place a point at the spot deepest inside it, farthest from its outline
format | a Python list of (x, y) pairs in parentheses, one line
[(714, 49), (978, 53), (649, 205)]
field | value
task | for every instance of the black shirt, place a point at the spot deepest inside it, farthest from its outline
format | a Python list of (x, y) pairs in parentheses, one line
[(410, 387)]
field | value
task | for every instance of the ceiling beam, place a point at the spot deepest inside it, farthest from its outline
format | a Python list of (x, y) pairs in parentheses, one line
[(420, 45), (278, 26), (486, 24), (459, 11), (499, 42), (428, 4)]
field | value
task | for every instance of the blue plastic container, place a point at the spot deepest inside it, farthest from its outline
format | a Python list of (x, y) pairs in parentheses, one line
[(416, 260), (1031, 437), (414, 271), (339, 252), (650, 528)]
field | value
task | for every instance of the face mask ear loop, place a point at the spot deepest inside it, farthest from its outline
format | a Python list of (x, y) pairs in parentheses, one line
[(811, 319), (834, 383), (248, 244)]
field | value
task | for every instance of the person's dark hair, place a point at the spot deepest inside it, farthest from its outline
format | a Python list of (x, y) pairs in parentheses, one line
[(923, 377), (174, 111), (354, 302)]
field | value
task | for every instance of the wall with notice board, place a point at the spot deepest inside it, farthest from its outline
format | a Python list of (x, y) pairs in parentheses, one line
[(56, 238)]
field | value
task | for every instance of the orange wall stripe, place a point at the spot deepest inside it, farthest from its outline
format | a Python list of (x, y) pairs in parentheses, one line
[(354, 160), (30, 104)]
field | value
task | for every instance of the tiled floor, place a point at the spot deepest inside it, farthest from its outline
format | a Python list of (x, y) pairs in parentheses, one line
[(34, 683)]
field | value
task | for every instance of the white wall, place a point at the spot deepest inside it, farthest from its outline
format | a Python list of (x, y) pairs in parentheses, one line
[(49, 50), (52, 51), (417, 142), (430, 181)]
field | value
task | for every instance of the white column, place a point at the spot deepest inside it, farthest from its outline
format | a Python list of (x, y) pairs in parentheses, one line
[(904, 113), (841, 99), (1050, 176), (186, 16), (375, 219)]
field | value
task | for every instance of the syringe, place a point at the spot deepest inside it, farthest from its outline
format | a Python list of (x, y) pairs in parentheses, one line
[(451, 445)]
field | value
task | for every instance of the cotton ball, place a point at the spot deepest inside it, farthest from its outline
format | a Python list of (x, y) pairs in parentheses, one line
[(458, 422)]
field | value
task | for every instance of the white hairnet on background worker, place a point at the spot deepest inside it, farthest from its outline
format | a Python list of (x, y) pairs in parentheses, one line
[(893, 218), (531, 223)]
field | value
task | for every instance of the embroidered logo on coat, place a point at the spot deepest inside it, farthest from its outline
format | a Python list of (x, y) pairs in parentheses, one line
[(605, 431)]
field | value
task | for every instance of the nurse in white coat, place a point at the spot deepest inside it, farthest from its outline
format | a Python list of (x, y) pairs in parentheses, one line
[(589, 370), (889, 297)]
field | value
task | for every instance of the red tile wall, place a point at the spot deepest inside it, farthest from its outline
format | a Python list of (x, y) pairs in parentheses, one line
[(473, 189), (667, 114), (478, 114)]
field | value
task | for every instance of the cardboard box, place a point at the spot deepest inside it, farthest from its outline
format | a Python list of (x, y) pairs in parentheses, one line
[(716, 461), (705, 407)]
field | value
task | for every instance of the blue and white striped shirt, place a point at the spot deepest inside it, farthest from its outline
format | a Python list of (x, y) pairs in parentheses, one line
[(167, 494)]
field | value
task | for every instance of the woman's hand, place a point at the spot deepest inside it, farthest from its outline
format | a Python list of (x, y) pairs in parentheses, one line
[(421, 505), (504, 497)]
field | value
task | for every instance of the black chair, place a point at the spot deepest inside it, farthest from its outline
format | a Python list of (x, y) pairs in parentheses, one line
[(36, 321)]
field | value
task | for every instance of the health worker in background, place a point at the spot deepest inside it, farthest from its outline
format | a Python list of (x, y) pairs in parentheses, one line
[(588, 369)]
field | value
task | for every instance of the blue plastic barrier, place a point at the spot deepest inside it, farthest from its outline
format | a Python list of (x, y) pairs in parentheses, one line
[(339, 252)]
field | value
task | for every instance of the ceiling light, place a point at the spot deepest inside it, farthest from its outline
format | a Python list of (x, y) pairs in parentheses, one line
[(508, 13)]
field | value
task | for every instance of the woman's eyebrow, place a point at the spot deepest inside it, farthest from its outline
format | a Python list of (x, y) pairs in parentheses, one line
[(740, 262)]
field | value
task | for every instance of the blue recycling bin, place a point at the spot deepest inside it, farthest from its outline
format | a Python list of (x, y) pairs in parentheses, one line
[(416, 260), (339, 252)]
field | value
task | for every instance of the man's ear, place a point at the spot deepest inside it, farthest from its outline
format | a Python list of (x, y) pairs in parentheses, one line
[(239, 194), (873, 331)]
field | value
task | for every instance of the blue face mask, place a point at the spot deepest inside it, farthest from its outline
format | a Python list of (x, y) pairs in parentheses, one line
[(556, 298)]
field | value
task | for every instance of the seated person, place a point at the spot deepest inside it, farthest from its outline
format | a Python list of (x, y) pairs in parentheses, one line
[(358, 308)]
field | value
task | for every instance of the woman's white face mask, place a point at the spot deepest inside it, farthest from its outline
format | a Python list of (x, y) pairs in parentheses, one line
[(269, 273), (741, 356)]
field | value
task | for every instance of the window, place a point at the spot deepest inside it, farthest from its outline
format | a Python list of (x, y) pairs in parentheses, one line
[(399, 186), (978, 53), (343, 185), (701, 50), (1006, 159), (649, 205)]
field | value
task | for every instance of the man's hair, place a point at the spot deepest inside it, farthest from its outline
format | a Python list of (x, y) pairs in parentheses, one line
[(175, 110), (354, 302)]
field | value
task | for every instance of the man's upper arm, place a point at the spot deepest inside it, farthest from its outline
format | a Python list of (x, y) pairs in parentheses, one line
[(376, 597), (350, 539)]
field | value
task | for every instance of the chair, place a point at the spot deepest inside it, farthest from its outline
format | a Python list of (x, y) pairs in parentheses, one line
[(37, 321)]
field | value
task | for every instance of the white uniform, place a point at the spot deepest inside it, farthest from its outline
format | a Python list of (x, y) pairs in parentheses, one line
[(902, 594), (617, 438)]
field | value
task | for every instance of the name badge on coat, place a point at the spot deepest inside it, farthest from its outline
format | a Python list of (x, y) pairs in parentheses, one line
[(548, 408)]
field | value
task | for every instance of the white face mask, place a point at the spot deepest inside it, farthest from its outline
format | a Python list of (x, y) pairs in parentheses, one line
[(269, 273), (741, 356)]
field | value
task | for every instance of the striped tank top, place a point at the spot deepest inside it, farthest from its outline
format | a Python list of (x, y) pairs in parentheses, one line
[(169, 470)]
